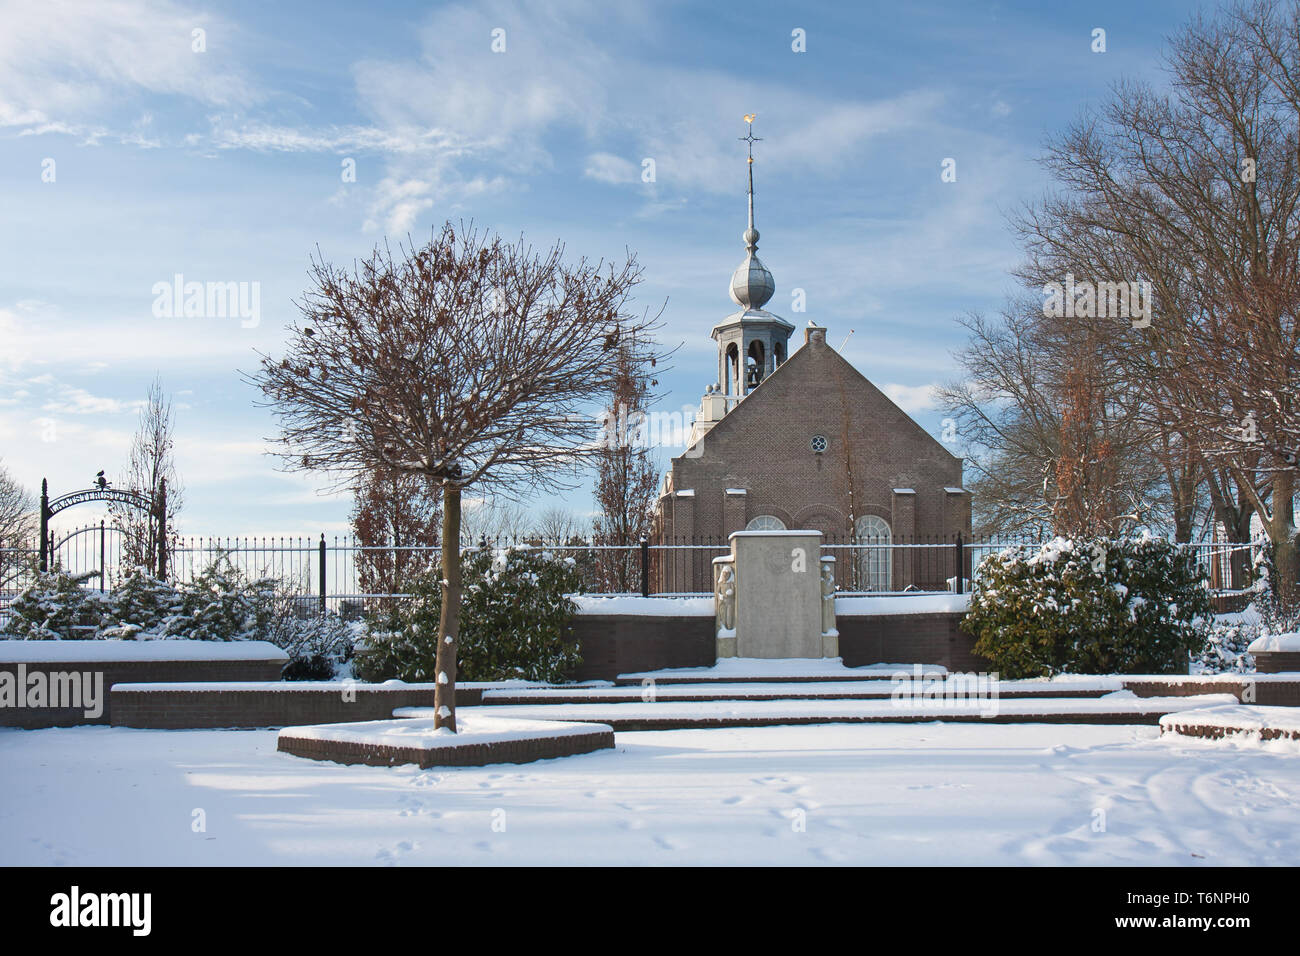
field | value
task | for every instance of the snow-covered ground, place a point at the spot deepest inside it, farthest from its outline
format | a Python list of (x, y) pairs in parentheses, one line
[(894, 794)]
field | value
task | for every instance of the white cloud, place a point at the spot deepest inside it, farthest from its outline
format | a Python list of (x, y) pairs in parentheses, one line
[(64, 64), (505, 109), (912, 398), (78, 401), (608, 168)]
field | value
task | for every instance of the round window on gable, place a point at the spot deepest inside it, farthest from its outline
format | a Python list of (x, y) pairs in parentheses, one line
[(818, 443)]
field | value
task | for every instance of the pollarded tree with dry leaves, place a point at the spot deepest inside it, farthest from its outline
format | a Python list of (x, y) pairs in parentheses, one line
[(471, 361)]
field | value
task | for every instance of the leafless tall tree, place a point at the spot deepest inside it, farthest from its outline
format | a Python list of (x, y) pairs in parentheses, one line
[(18, 526), (1200, 187), (150, 461), (1051, 448), (469, 360), (559, 526), (626, 478)]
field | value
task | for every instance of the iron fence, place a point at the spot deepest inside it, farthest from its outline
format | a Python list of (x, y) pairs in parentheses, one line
[(340, 574)]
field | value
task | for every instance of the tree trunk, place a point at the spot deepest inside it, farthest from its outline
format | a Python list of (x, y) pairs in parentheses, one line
[(1281, 532), (444, 699)]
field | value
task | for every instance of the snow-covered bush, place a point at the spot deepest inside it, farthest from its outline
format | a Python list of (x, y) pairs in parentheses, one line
[(1120, 606), (319, 645), (514, 621), (140, 604), (55, 607), (221, 604), (1274, 617), (1228, 637)]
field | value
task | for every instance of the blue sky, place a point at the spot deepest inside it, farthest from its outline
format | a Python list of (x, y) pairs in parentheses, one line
[(225, 165)]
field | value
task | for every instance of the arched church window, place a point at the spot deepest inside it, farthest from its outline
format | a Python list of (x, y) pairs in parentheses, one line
[(765, 523), (875, 550)]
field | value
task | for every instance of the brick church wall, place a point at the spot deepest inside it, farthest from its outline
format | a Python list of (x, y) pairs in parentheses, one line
[(874, 451)]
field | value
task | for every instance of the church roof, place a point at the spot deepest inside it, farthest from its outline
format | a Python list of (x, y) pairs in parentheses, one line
[(817, 364)]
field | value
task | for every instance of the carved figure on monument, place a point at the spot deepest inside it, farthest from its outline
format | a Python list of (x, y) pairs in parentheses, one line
[(725, 595), (828, 595)]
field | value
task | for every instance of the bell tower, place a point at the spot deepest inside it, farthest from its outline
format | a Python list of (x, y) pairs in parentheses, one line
[(753, 341)]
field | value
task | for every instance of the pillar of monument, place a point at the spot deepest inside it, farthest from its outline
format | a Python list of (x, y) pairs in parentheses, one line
[(769, 594)]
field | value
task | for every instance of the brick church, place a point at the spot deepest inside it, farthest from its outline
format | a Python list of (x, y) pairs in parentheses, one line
[(800, 439)]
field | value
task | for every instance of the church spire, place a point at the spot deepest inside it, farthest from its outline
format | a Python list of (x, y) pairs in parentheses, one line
[(751, 234), (751, 283)]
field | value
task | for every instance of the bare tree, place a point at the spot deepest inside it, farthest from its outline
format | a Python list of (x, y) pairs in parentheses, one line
[(18, 527), (559, 526), (1051, 448), (470, 361), (490, 519), (150, 462), (1201, 187), (627, 477)]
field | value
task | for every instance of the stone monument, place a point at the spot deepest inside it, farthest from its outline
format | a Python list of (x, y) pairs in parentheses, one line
[(774, 596)]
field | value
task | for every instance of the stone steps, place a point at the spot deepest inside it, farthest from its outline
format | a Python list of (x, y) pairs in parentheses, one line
[(636, 714), (766, 691), (776, 671)]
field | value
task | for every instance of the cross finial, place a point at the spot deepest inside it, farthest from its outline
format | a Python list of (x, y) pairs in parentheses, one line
[(749, 136), (751, 234)]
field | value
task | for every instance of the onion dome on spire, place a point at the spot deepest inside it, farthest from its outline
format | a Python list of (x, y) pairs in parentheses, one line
[(751, 283)]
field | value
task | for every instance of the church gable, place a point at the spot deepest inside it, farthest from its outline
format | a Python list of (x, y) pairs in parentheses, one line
[(811, 392)]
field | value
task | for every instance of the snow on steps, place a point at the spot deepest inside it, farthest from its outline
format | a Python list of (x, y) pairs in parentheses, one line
[(1119, 707), (817, 689), (1247, 722), (776, 670)]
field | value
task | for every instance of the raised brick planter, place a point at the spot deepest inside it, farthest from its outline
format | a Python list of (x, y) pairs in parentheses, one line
[(278, 704), (392, 742), (1276, 662), (106, 663)]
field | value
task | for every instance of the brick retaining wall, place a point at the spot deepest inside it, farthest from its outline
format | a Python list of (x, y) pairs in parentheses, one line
[(124, 672), (930, 638), (1274, 693), (277, 705), (614, 644)]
